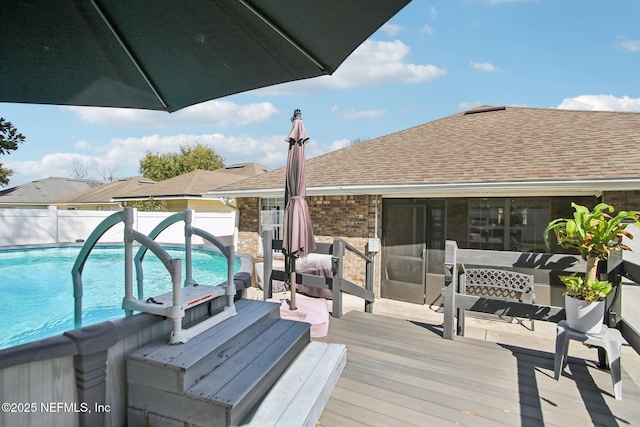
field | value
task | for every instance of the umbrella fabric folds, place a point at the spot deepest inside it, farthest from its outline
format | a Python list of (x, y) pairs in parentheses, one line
[(298, 240), (168, 54)]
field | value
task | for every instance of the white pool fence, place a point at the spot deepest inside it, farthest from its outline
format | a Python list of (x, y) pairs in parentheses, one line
[(52, 226)]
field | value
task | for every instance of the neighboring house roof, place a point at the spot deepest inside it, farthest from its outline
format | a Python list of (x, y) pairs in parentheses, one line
[(45, 190), (105, 193), (193, 184), (249, 169), (488, 149)]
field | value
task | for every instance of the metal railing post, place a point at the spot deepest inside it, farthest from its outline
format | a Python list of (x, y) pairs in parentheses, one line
[(128, 255), (188, 234)]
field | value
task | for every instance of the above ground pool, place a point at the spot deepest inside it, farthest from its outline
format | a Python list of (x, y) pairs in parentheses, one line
[(36, 288)]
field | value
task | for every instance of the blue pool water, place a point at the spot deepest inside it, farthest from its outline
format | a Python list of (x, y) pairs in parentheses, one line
[(36, 289)]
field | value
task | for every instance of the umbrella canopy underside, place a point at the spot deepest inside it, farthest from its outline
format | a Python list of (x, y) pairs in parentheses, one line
[(166, 54)]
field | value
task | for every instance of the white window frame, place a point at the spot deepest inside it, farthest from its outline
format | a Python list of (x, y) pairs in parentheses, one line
[(272, 216)]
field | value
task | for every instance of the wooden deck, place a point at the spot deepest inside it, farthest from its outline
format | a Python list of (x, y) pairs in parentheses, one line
[(403, 373)]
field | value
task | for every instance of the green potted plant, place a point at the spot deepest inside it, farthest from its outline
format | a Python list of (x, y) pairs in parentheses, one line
[(594, 234)]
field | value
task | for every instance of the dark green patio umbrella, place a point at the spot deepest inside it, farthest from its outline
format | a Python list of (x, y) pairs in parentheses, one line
[(168, 54)]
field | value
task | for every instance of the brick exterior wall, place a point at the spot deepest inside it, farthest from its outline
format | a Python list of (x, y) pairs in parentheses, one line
[(623, 200), (351, 218), (249, 226)]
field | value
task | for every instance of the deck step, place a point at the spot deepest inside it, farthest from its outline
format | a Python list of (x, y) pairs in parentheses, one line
[(238, 372), (301, 393), (232, 389), (175, 368)]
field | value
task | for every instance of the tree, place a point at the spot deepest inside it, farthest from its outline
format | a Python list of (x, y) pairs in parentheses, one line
[(9, 140), (80, 169), (108, 173), (151, 205), (357, 141), (161, 166)]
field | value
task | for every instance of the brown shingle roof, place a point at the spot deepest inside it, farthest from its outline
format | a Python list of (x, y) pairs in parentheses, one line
[(105, 192), (496, 145), (249, 169), (193, 184)]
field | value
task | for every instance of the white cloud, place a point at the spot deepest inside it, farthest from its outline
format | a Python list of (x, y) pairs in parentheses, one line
[(122, 155), (233, 149), (374, 63), (629, 45), (391, 29), (428, 29), (83, 145), (353, 114), (217, 113), (339, 144), (469, 105), (433, 14), (601, 103), (60, 165), (484, 66)]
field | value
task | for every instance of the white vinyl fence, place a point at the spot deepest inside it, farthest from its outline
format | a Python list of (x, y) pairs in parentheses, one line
[(52, 226)]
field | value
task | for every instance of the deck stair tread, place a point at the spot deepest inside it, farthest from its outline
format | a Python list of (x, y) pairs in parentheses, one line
[(220, 376), (227, 383), (177, 367), (240, 393), (164, 353), (298, 396)]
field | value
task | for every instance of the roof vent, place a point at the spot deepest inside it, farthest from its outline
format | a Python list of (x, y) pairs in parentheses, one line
[(485, 109)]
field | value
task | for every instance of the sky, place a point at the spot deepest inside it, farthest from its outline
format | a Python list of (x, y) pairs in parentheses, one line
[(433, 59)]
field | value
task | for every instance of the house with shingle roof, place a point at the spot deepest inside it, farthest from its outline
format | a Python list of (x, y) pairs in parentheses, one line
[(39, 194), (489, 178), (177, 193), (185, 191), (101, 198)]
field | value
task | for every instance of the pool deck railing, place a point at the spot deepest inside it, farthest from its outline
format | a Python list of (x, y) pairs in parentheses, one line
[(173, 305)]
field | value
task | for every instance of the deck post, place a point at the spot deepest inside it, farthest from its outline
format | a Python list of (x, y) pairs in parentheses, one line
[(368, 306), (337, 266), (459, 310), (450, 287), (267, 264)]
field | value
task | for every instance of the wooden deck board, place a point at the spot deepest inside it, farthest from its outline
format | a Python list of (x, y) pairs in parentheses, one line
[(404, 373)]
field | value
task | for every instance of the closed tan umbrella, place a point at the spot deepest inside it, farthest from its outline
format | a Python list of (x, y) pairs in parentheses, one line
[(298, 239)]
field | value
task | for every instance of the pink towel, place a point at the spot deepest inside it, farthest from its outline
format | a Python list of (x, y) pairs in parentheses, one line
[(309, 310)]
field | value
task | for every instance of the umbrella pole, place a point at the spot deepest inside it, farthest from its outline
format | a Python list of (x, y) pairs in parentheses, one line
[(292, 284)]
